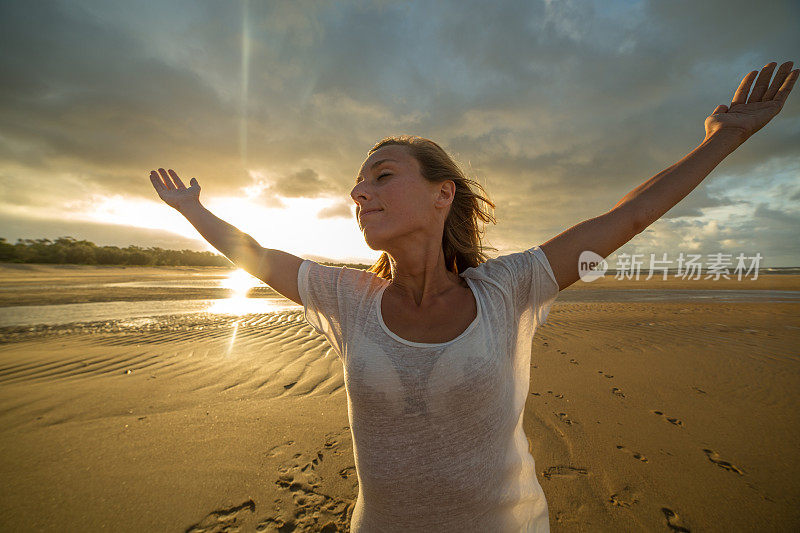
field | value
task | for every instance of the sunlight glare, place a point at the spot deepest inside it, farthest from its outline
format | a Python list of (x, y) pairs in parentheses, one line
[(245, 81), (240, 281), (295, 228), (118, 209)]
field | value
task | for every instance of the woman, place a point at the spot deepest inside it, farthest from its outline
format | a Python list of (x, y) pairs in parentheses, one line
[(435, 339)]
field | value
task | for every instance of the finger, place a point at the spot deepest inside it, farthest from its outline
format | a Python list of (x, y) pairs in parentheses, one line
[(156, 180), (177, 179), (786, 88), (762, 83), (166, 178), (720, 109), (740, 96), (777, 81)]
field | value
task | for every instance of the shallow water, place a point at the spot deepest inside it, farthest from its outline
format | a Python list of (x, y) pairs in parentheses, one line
[(670, 295), (25, 315), (100, 311), (211, 282)]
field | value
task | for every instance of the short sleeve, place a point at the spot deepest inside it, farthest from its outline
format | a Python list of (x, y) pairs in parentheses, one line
[(526, 279), (331, 298), (544, 287)]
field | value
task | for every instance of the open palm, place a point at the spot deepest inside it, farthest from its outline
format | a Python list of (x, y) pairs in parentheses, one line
[(748, 115), (171, 189)]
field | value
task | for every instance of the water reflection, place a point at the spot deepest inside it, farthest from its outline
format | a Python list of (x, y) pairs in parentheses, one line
[(24, 315), (241, 283)]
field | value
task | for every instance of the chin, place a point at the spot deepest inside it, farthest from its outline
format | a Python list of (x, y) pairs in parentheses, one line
[(375, 243)]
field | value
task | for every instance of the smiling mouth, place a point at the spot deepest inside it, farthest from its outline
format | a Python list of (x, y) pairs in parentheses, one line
[(370, 213)]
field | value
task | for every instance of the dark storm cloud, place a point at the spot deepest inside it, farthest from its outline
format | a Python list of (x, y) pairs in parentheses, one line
[(560, 108)]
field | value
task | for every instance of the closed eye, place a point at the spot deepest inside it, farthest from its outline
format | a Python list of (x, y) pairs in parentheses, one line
[(382, 175)]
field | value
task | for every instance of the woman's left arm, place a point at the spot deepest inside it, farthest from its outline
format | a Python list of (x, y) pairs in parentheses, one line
[(726, 129)]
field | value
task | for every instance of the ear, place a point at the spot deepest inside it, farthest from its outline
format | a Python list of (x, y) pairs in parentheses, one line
[(445, 193)]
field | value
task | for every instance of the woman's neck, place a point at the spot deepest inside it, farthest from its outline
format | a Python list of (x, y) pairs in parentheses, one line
[(421, 279)]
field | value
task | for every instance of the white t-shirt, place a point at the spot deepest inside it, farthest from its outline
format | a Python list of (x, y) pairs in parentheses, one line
[(437, 427)]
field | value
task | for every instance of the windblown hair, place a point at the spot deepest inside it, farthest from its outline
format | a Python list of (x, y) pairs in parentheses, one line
[(461, 239)]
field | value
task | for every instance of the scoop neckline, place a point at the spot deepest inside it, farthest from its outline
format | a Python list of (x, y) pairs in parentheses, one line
[(379, 299)]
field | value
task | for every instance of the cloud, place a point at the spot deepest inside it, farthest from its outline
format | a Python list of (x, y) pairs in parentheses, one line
[(560, 108), (338, 210), (98, 233), (304, 183)]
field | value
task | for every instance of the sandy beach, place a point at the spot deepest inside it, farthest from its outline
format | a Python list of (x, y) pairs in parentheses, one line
[(641, 416)]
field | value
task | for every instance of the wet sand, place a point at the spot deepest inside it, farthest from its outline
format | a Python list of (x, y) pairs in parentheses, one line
[(640, 416), (34, 284)]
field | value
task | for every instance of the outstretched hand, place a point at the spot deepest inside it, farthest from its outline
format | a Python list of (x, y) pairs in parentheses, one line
[(175, 194), (745, 116)]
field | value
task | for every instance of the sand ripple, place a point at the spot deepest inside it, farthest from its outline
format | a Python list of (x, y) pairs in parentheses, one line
[(276, 354)]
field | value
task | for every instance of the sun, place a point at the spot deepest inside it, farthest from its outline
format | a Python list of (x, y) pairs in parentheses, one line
[(240, 282)]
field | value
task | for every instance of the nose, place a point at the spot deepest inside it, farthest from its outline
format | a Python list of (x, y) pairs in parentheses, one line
[(358, 194)]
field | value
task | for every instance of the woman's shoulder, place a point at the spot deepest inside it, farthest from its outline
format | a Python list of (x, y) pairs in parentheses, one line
[(343, 277)]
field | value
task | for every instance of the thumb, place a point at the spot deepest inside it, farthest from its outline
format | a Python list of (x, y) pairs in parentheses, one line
[(192, 182), (720, 109)]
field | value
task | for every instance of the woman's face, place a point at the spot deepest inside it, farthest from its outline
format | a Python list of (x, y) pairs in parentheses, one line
[(409, 207)]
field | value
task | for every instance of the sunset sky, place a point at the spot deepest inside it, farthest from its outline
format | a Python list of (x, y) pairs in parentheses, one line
[(558, 108)]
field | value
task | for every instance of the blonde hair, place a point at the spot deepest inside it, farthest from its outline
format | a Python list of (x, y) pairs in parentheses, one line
[(461, 239)]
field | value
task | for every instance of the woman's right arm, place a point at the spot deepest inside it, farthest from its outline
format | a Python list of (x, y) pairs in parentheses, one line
[(276, 268)]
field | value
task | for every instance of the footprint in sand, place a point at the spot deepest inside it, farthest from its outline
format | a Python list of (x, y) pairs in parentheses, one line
[(674, 521), (573, 361), (229, 519), (565, 518), (564, 418), (347, 472), (604, 374), (699, 390), (624, 498), (333, 444), (715, 458), (636, 455), (311, 509), (671, 420), (564, 472), (617, 391), (279, 449)]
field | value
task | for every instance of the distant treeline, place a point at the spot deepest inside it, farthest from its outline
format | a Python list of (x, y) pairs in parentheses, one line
[(68, 250)]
